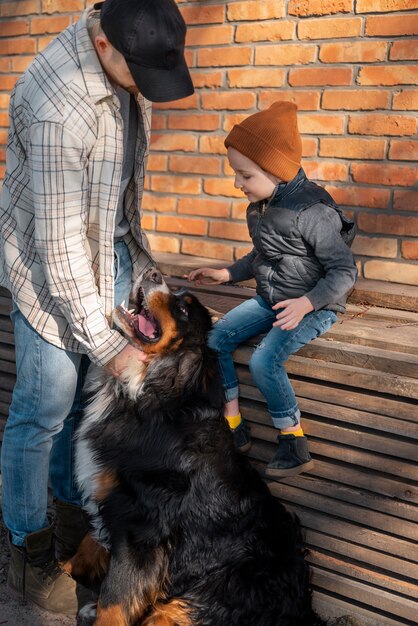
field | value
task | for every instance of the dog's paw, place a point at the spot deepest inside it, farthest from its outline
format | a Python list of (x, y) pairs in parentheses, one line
[(87, 614)]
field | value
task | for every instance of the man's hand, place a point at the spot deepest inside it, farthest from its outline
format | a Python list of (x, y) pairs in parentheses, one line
[(209, 276), (126, 356), (294, 310)]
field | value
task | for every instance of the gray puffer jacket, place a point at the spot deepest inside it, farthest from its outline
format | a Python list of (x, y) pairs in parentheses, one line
[(301, 247)]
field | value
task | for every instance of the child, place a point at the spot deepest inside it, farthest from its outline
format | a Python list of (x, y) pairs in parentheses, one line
[(303, 268)]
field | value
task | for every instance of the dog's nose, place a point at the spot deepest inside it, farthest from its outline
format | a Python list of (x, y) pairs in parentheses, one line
[(154, 275)]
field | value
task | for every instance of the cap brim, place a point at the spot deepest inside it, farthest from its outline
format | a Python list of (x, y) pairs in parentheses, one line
[(162, 85)]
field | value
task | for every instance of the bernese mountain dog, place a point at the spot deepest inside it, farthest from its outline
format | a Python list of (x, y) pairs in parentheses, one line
[(186, 533)]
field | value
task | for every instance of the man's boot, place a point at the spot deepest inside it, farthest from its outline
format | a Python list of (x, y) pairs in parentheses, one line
[(71, 526), (291, 458), (35, 575)]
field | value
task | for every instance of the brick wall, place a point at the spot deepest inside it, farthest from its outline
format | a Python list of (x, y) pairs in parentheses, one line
[(350, 65)]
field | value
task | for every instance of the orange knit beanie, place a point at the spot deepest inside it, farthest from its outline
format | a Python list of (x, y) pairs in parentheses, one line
[(271, 139)]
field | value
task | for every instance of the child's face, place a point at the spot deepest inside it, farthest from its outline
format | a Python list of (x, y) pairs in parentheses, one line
[(250, 178)]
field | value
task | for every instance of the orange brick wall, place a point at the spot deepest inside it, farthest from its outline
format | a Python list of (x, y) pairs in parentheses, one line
[(350, 65)]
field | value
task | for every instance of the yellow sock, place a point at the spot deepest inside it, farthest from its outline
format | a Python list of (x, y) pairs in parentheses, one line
[(296, 433), (233, 420)]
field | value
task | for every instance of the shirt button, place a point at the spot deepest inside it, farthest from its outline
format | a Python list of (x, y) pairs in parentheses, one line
[(108, 279), (107, 244)]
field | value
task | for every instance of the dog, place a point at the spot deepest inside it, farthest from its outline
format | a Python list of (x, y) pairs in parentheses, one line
[(186, 533)]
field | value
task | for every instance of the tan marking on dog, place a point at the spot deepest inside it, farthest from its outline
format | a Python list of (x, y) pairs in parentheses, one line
[(174, 613), (110, 616), (105, 483), (153, 580), (90, 561), (158, 305)]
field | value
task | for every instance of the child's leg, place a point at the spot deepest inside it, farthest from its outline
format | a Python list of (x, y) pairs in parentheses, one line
[(270, 376), (247, 320)]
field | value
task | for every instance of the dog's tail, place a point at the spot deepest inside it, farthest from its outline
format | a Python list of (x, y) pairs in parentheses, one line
[(176, 612)]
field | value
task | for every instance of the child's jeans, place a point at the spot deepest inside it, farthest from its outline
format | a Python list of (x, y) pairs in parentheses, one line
[(45, 411), (249, 319)]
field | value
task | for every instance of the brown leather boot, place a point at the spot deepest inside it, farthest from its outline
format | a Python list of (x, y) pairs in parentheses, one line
[(35, 575), (71, 526)]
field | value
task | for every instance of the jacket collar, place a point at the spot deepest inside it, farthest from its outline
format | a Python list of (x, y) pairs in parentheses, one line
[(284, 189)]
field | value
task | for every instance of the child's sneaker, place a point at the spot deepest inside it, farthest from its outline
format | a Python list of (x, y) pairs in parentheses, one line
[(242, 438), (292, 457)]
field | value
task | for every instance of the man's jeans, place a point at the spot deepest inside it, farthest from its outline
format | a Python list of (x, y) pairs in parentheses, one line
[(249, 319), (45, 411)]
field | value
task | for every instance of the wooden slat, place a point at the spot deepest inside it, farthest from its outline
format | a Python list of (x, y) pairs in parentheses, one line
[(335, 607)]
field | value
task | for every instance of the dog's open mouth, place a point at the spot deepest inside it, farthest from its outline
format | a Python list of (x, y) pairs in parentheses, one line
[(144, 325)]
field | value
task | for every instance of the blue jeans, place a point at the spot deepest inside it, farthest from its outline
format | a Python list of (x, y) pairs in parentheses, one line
[(249, 319), (44, 413)]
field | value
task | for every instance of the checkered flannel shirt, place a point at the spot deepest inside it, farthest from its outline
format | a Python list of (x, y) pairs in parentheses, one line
[(60, 195)]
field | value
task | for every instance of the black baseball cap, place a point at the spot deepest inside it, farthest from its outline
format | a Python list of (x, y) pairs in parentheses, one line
[(150, 34)]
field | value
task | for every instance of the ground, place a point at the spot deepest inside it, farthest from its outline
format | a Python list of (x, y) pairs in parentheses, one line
[(14, 612)]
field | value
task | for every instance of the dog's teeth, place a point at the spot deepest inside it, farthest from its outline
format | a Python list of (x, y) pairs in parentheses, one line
[(131, 311)]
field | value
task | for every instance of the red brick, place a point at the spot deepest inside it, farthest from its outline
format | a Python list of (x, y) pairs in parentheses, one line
[(305, 100), (370, 197), (231, 120), (185, 143), (381, 125), (285, 54), (158, 121), (4, 120), (19, 45), (187, 121), (353, 52), (355, 100), (221, 187), (148, 221), (191, 102), (180, 225), (240, 251), (159, 243), (321, 170), (62, 6), (4, 100), (320, 76), (350, 148), (375, 246), (44, 41), (313, 124), (409, 250), (21, 63), (41, 25), (157, 163), (405, 200), (403, 150), (208, 249), (224, 57), (195, 165), (10, 9), (206, 79), (304, 8), (229, 230), (203, 14), (389, 75), (212, 144), (8, 82), (239, 209), (403, 50), (392, 272), (381, 6), (405, 100), (229, 100), (158, 204), (265, 31), (5, 65), (204, 36), (255, 10), (383, 174), (3, 137), (171, 184), (204, 206), (309, 147), (388, 25), (388, 224), (252, 77), (330, 28), (14, 28)]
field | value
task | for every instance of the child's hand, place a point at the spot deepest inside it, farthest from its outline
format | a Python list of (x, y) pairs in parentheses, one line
[(209, 276), (294, 310)]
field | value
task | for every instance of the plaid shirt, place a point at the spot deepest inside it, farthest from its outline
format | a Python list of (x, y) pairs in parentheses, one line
[(60, 195)]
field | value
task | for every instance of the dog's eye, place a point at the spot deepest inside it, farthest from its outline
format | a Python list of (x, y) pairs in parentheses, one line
[(183, 309)]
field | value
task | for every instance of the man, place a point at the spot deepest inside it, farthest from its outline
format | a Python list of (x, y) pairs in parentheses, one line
[(70, 247)]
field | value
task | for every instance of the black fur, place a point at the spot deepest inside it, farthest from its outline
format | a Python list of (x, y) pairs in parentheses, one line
[(190, 515)]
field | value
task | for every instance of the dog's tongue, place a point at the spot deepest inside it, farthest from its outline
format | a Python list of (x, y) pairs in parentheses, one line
[(146, 327)]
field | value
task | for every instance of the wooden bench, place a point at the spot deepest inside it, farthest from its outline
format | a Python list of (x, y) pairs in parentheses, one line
[(358, 391)]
